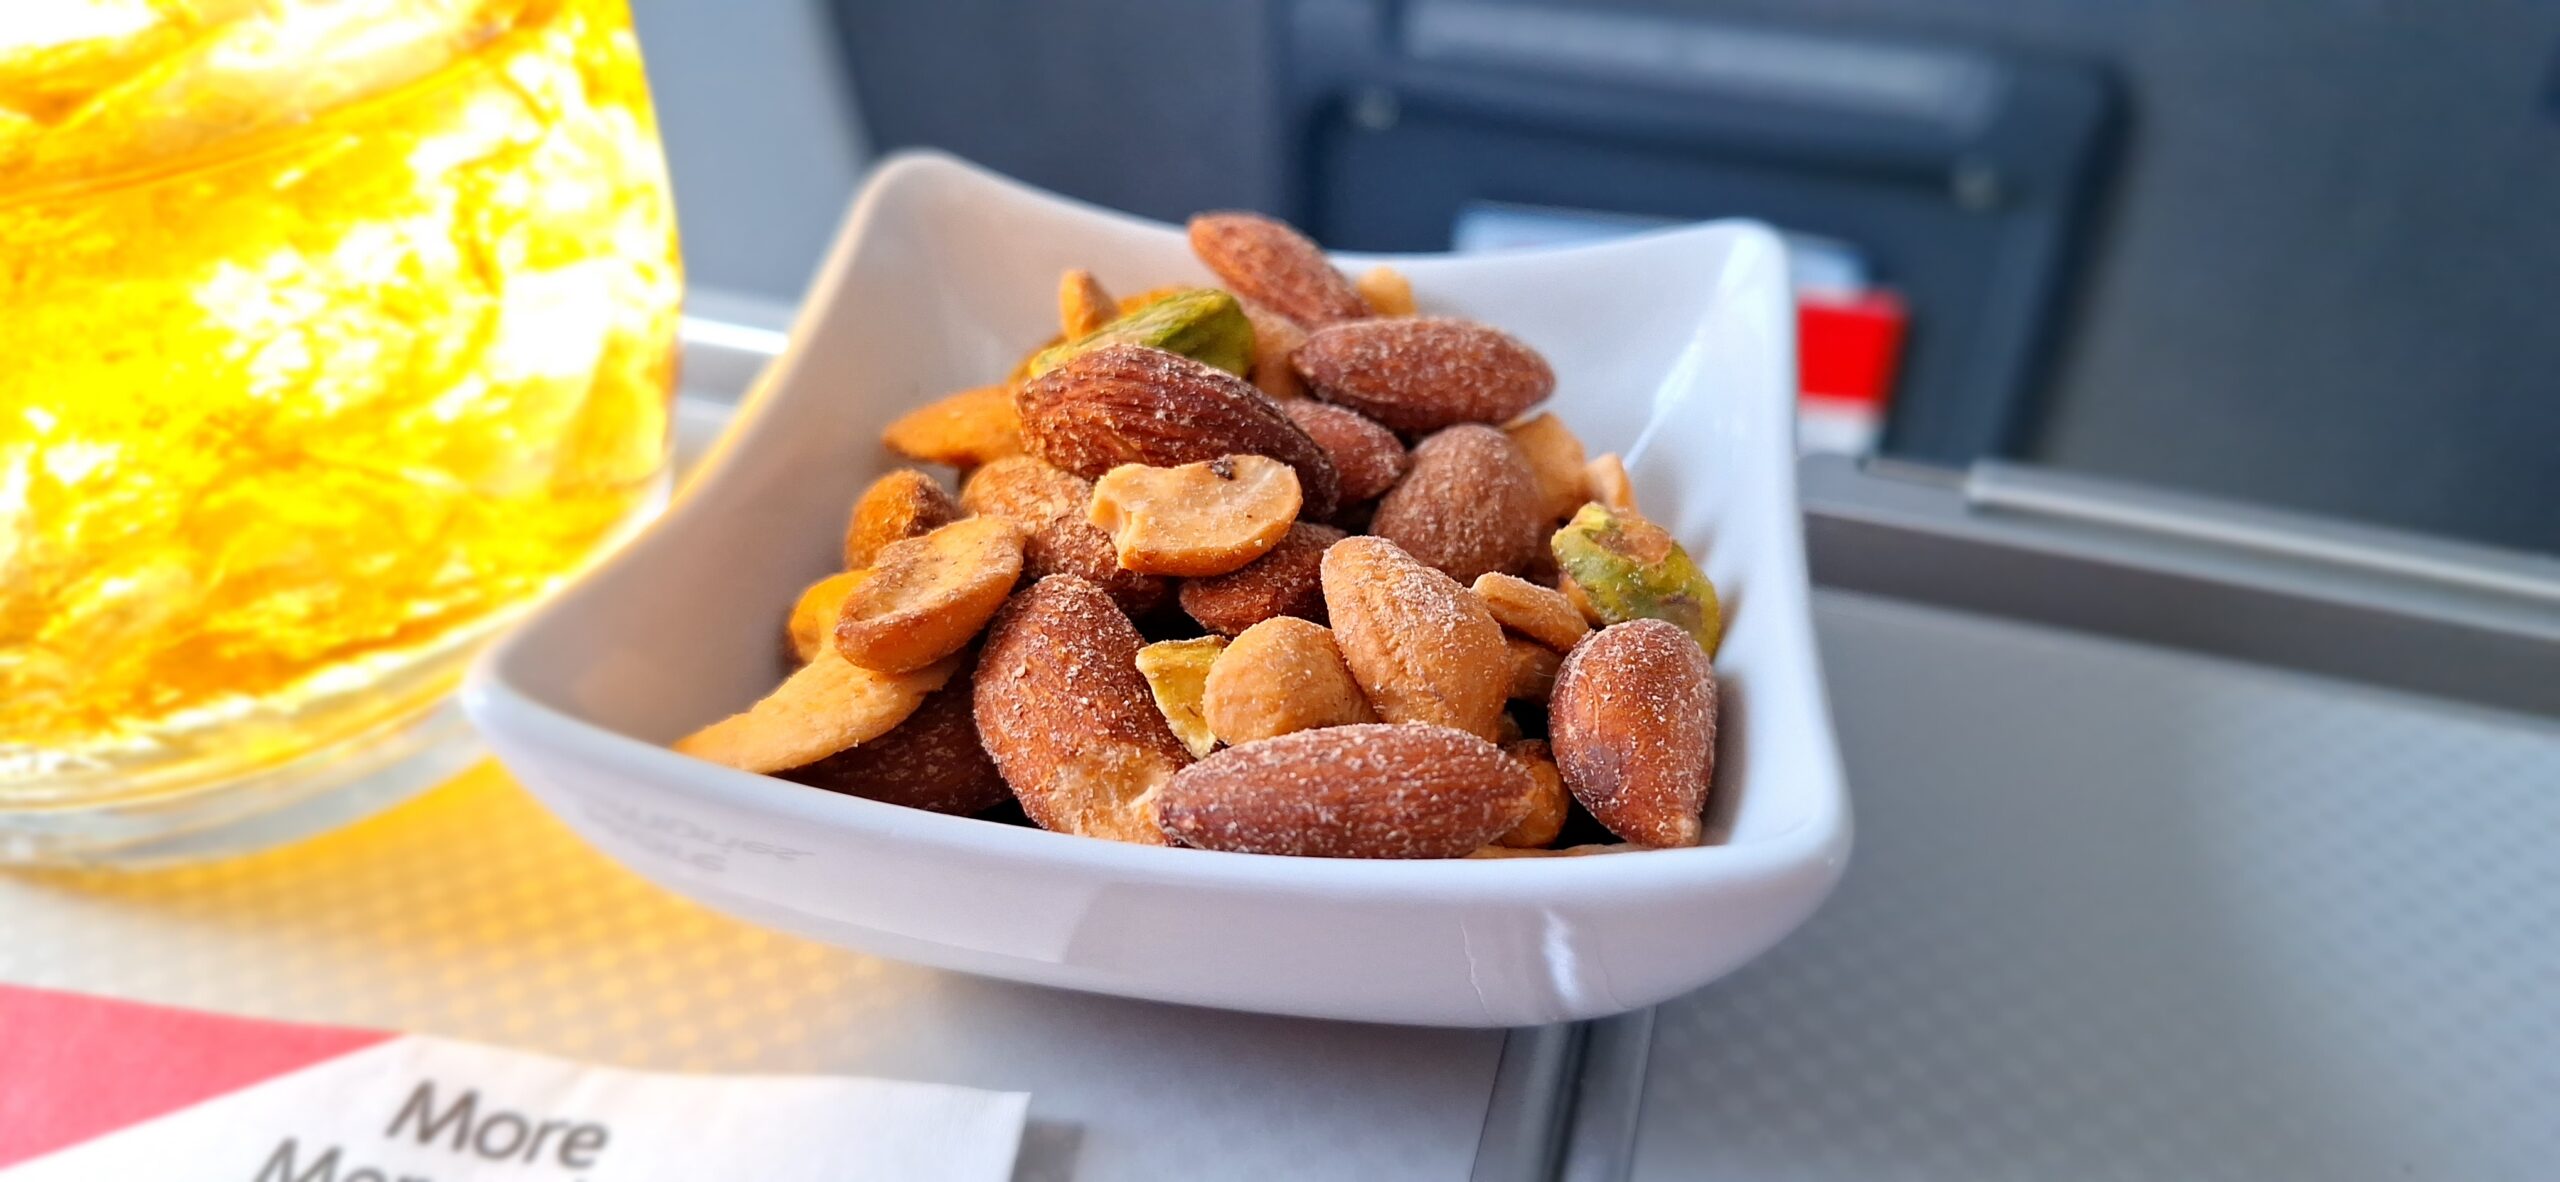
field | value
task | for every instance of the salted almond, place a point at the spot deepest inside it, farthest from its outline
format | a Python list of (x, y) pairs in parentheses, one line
[(829, 705), (1072, 546), (964, 430), (1083, 305), (1533, 668), (1468, 505), (1281, 675), (1270, 263), (1543, 570), (1129, 404), (1533, 611), (1177, 673), (1421, 373), (903, 504), (1067, 717), (1421, 646), (1207, 518), (813, 618), (928, 596), (1375, 790), (1288, 581), (1555, 457), (1386, 291), (931, 761), (1275, 337), (1548, 801), (1367, 458), (1633, 723), (1049, 505), (1604, 480)]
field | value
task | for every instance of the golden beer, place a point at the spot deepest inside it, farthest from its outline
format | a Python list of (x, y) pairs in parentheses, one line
[(330, 333)]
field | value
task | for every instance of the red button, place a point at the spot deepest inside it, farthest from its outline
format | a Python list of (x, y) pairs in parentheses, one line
[(1847, 348)]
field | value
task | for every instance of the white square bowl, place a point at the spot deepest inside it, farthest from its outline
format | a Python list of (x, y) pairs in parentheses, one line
[(1675, 348)]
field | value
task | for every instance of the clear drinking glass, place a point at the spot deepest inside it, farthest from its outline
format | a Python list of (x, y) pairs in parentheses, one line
[(331, 333)]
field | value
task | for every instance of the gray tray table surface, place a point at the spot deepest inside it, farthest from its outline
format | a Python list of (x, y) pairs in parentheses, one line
[(2125, 911)]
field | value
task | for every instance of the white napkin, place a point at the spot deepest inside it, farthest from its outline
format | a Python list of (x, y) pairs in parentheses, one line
[(357, 1106)]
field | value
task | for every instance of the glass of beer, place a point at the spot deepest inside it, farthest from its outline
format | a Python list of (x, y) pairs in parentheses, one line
[(331, 333)]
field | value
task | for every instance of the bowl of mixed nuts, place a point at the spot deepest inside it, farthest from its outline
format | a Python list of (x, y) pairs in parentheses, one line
[(1420, 639)]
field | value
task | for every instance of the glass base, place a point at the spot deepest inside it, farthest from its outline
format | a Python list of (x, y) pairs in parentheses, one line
[(321, 790)]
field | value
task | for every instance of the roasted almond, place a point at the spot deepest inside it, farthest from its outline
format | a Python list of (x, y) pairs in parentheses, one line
[(1288, 581), (903, 504), (829, 705), (1377, 790), (1386, 291), (1067, 717), (1543, 570), (964, 430), (1073, 546), (1422, 373), (928, 596), (1468, 505), (931, 761), (1533, 611), (1421, 646), (1129, 404), (1548, 801), (1269, 262), (1281, 675), (1050, 506), (1198, 519), (1633, 724), (1367, 458), (1555, 457)]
